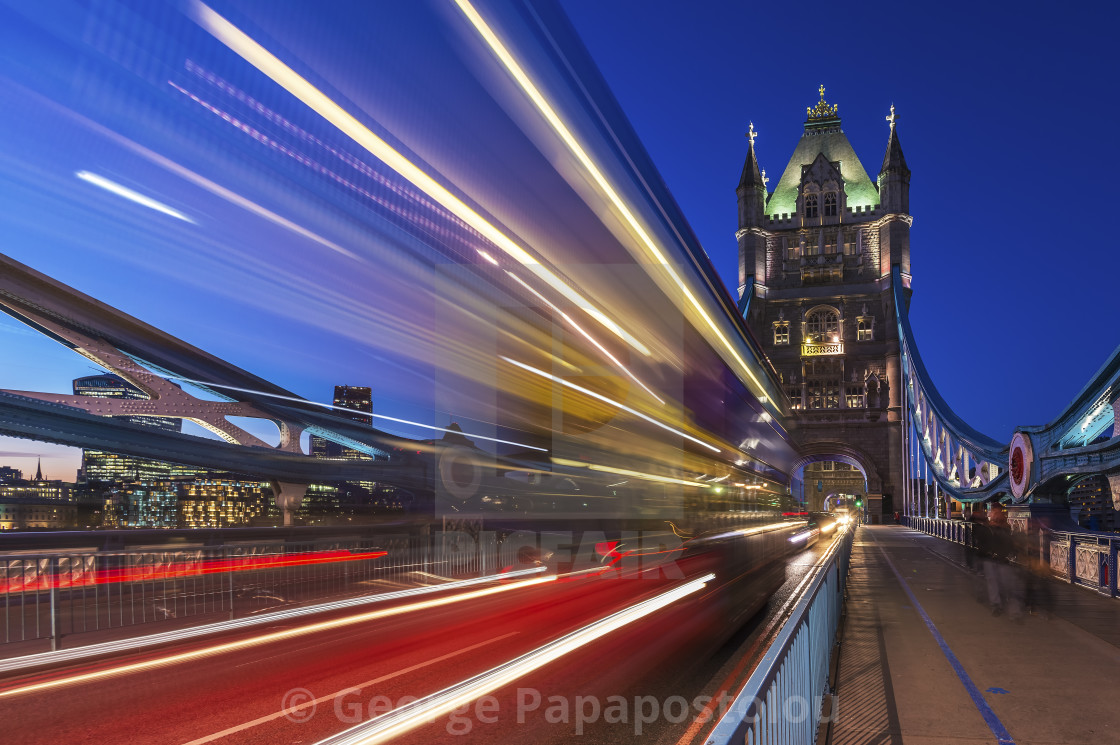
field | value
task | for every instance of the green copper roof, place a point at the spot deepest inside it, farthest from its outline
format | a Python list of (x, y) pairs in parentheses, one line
[(860, 189)]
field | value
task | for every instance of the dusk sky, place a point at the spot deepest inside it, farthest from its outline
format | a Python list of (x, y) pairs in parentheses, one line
[(1004, 118), (1001, 121)]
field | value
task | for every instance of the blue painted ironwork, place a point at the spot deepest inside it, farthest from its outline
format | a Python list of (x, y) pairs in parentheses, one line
[(1085, 558), (946, 455), (954, 531), (966, 464)]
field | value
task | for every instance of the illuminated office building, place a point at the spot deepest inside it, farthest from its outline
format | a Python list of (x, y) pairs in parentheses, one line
[(144, 495), (226, 501)]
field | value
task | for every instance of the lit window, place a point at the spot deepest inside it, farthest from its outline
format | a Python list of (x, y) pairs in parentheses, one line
[(794, 393), (793, 252), (865, 329), (816, 394), (781, 332), (822, 322), (856, 399), (830, 204), (830, 245), (822, 379), (810, 205), (832, 394), (850, 245)]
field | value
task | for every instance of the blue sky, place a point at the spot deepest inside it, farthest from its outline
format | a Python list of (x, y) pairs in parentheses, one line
[(1005, 122), (1006, 119)]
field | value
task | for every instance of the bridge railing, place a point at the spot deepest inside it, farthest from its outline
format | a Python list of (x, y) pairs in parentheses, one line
[(45, 597), (955, 531), (1082, 558), (781, 702)]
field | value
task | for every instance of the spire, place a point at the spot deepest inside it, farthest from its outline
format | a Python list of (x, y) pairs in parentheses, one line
[(751, 174), (752, 215), (894, 161), (39, 470)]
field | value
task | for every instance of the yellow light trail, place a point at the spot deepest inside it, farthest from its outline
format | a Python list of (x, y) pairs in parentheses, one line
[(610, 401), (256, 55), (625, 472), (585, 335), (266, 639), (522, 78)]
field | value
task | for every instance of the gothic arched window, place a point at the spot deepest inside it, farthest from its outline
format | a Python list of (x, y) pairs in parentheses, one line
[(781, 332), (810, 205), (823, 322), (864, 329), (830, 204)]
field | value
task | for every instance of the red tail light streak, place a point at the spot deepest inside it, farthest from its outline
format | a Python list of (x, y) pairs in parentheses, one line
[(188, 568)]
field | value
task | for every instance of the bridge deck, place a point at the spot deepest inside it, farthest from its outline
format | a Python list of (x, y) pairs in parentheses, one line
[(929, 663)]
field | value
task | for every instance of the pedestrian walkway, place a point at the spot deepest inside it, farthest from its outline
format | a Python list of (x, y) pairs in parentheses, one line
[(922, 662)]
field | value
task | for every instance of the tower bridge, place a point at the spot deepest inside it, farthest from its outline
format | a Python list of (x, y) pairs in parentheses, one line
[(602, 411)]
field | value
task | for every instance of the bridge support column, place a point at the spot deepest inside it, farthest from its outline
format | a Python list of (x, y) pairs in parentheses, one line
[(288, 498)]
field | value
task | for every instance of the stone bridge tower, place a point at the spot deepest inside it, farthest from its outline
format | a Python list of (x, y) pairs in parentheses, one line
[(815, 259)]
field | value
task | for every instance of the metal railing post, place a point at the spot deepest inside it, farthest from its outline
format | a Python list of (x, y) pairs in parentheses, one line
[(1112, 547), (52, 578), (229, 571)]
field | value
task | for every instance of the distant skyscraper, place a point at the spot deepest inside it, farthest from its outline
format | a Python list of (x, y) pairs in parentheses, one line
[(103, 466), (324, 499), (147, 489), (353, 397)]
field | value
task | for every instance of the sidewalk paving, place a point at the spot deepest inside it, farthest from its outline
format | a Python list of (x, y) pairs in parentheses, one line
[(1033, 681)]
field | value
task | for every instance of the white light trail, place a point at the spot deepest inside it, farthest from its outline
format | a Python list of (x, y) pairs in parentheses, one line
[(259, 57), (295, 399), (610, 401), (585, 335), (193, 633), (561, 129), (133, 196), (309, 706), (274, 636), (406, 718)]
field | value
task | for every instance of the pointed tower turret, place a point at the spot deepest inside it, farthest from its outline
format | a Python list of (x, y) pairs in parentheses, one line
[(39, 471), (894, 193), (752, 215), (894, 177)]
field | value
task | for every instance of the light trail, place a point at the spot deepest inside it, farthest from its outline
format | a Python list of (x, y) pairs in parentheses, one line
[(274, 636), (406, 718), (133, 196), (708, 714), (625, 472), (610, 401), (295, 710), (187, 568), (131, 645), (585, 335), (561, 129), (256, 55), (296, 399)]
